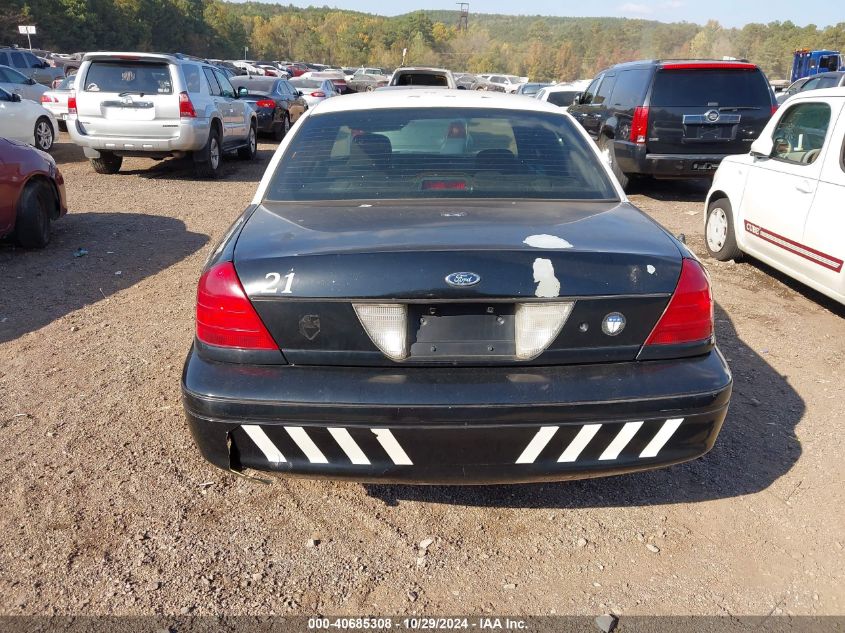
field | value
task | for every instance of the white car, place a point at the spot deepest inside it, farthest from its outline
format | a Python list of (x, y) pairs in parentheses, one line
[(55, 100), (562, 95), (782, 203), (25, 120), (509, 82), (13, 81)]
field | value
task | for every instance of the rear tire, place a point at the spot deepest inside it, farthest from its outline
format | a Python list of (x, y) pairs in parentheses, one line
[(208, 162), (281, 130), (251, 149), (35, 210), (107, 163), (720, 232), (609, 154), (44, 134)]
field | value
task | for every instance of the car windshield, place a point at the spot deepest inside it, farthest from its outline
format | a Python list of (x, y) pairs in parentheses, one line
[(124, 76), (439, 152), (306, 83), (422, 79), (703, 87), (562, 97)]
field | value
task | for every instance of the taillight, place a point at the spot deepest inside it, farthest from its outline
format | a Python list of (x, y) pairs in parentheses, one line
[(689, 316), (45, 98), (225, 316), (186, 108), (774, 109), (71, 103), (266, 103), (639, 125), (318, 93)]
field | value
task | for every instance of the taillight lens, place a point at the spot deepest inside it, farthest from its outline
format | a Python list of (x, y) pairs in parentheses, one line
[(318, 93), (266, 103), (536, 325), (71, 103), (689, 316), (774, 109), (639, 125), (186, 108), (225, 316), (45, 98), (387, 326)]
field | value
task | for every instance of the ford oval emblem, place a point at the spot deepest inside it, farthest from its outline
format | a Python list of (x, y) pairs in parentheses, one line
[(462, 279)]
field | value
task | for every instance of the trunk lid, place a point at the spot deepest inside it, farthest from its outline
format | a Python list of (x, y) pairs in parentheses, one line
[(303, 275), (702, 110)]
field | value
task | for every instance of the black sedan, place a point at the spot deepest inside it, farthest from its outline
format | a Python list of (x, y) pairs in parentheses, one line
[(277, 103), (450, 288)]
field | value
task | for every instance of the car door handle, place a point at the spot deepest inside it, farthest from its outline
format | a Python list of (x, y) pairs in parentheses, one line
[(805, 186)]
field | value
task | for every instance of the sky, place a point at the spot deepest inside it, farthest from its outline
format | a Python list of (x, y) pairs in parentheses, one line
[(728, 12)]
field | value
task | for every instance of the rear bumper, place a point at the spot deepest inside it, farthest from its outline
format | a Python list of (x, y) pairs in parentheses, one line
[(456, 425), (191, 135), (635, 159)]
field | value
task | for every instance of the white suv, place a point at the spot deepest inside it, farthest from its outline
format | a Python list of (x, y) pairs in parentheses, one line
[(155, 106)]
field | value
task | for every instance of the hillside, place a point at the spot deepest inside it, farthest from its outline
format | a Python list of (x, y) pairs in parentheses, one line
[(541, 47)]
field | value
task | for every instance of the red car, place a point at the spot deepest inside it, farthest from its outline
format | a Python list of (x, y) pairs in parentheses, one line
[(32, 193)]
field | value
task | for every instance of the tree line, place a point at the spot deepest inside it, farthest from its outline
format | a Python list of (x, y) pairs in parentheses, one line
[(543, 48)]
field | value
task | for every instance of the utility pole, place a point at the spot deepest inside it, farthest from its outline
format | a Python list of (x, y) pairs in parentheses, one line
[(463, 18)]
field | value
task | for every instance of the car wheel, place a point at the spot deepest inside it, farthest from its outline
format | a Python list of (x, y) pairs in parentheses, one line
[(251, 149), (719, 232), (370, 88), (107, 163), (279, 130), (35, 209), (208, 162), (44, 134), (609, 155)]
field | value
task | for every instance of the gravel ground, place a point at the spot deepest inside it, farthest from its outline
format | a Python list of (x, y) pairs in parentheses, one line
[(109, 508)]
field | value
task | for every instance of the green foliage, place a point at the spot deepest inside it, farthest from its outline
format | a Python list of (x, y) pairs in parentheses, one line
[(544, 48)]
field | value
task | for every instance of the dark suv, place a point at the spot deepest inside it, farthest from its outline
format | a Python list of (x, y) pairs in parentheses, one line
[(674, 118)]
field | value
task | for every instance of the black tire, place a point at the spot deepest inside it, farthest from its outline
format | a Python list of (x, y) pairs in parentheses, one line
[(720, 231), (609, 152), (107, 163), (251, 149), (35, 211), (44, 134), (281, 130), (208, 162)]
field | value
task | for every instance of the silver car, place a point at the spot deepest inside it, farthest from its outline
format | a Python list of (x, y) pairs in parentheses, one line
[(25, 62), (16, 83), (313, 91), (155, 106)]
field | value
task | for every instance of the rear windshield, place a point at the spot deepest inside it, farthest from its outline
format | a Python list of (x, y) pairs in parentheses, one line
[(439, 152), (133, 77), (421, 79), (306, 83), (710, 87), (562, 98)]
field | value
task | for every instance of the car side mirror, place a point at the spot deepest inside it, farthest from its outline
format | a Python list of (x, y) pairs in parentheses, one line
[(298, 93), (762, 147), (16, 98), (577, 99), (31, 81)]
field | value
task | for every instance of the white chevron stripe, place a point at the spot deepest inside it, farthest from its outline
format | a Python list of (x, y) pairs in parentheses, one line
[(621, 440), (349, 446), (306, 444), (663, 435), (391, 446), (264, 443), (536, 445), (579, 442)]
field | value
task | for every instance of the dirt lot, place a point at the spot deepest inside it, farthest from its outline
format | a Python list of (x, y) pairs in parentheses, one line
[(109, 508)]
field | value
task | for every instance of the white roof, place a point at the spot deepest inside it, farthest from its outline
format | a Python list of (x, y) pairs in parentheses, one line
[(820, 94), (432, 98)]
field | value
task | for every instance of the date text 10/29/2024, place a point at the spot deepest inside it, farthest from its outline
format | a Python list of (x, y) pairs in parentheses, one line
[(417, 623)]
